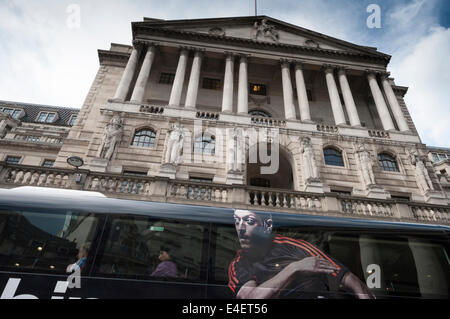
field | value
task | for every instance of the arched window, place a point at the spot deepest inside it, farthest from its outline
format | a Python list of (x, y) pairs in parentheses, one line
[(333, 157), (259, 113), (144, 138), (205, 144), (388, 163)]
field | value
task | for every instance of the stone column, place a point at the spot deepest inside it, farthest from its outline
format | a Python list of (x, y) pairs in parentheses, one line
[(194, 79), (141, 83), (127, 76), (382, 108), (393, 102), (243, 86), (289, 108), (227, 99), (177, 87), (336, 106), (302, 96), (348, 99)]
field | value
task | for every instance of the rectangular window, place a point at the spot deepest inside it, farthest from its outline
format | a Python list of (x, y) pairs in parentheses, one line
[(30, 138), (166, 78), (43, 242), (48, 163), (72, 120), (134, 173), (8, 110), (212, 84), (133, 245), (435, 157), (442, 157), (46, 117), (13, 159), (257, 89)]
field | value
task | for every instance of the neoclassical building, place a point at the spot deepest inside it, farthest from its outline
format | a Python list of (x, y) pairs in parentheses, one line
[(171, 118)]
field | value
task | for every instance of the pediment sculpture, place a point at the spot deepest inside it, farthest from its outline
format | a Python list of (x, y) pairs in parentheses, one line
[(265, 30)]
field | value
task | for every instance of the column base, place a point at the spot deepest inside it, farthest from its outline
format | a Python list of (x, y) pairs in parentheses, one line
[(168, 170), (98, 165), (234, 177)]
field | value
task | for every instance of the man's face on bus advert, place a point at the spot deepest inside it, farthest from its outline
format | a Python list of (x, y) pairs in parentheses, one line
[(250, 227)]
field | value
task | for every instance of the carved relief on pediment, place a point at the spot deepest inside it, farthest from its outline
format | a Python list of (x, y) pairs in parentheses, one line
[(312, 44), (216, 31), (265, 31)]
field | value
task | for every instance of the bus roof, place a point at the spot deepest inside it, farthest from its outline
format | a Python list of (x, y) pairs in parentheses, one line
[(87, 202)]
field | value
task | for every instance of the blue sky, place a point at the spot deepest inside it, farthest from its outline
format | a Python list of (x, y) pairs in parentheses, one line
[(44, 59)]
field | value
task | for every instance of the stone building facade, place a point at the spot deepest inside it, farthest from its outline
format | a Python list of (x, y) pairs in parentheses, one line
[(171, 117)]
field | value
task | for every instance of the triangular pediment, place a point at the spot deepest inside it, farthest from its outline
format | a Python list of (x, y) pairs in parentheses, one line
[(261, 29)]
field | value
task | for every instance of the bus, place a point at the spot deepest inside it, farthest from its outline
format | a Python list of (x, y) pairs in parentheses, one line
[(63, 244)]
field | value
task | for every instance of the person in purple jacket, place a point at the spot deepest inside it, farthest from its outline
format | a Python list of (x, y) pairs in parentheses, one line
[(166, 268)]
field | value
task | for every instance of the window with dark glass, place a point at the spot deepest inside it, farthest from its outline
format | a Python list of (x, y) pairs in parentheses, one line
[(205, 144), (144, 138), (333, 157), (257, 89), (13, 159), (212, 84), (34, 241), (132, 246), (48, 163), (46, 117), (166, 78), (388, 163), (72, 120)]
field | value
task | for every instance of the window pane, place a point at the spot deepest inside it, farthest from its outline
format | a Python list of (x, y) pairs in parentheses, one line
[(435, 157), (166, 78), (442, 157), (333, 157), (212, 84), (13, 160), (388, 163), (48, 163), (144, 138), (72, 120), (8, 111), (50, 243), (205, 145), (42, 117), (133, 246), (50, 118), (16, 114), (258, 89)]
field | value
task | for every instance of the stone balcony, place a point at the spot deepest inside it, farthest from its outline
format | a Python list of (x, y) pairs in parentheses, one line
[(220, 195)]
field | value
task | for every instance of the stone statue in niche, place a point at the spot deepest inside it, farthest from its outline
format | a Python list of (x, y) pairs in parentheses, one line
[(265, 30), (111, 137), (174, 144), (366, 163), (235, 150), (310, 172), (421, 173)]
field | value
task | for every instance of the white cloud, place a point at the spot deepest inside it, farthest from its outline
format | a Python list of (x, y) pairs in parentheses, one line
[(426, 71)]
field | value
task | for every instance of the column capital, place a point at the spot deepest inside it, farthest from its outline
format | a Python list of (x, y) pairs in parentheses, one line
[(384, 75), (229, 54), (299, 64), (328, 67), (285, 62), (139, 44), (243, 56), (342, 69), (374, 72), (183, 48)]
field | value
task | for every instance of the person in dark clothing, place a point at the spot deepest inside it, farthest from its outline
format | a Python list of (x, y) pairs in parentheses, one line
[(166, 268), (274, 266)]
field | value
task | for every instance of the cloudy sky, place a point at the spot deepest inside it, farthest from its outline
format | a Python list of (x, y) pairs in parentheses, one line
[(48, 56)]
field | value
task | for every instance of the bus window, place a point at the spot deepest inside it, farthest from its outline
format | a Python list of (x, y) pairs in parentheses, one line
[(147, 248), (45, 242), (401, 266)]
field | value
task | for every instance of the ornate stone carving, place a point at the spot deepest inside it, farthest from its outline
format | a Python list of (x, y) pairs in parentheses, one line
[(235, 150), (265, 30), (421, 173), (312, 44), (216, 31), (366, 163), (174, 144), (111, 137), (310, 172)]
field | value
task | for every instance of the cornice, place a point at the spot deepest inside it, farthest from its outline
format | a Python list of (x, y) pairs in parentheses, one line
[(139, 30)]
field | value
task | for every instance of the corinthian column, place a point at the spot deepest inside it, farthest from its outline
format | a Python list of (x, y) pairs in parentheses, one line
[(393, 102), (194, 79), (348, 99), (302, 96), (382, 108), (227, 99), (141, 83), (177, 87), (127, 76), (336, 106), (289, 108), (243, 86)]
